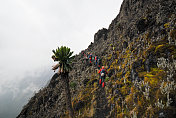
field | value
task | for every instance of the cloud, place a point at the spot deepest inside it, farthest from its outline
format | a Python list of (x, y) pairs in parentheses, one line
[(16, 94)]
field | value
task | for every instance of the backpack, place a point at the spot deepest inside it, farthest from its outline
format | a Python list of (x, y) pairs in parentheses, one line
[(90, 56), (103, 71), (102, 74)]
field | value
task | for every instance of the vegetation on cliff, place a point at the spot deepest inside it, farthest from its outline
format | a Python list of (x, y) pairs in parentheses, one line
[(139, 51), (65, 58)]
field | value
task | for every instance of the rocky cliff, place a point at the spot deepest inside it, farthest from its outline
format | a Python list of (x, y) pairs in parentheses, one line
[(139, 52)]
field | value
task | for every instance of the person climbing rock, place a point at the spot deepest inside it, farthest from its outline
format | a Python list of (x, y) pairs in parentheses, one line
[(90, 59), (82, 54), (96, 60), (93, 58), (102, 73), (99, 63)]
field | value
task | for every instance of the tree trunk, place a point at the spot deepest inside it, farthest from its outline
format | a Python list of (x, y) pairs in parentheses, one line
[(65, 79)]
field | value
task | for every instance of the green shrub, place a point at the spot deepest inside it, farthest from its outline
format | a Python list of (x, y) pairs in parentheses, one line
[(73, 84), (106, 79)]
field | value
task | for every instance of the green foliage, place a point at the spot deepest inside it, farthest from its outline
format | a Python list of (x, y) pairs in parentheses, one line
[(166, 25), (110, 56), (65, 57), (132, 95), (107, 79), (154, 76), (119, 74), (160, 50), (124, 90), (73, 84), (86, 95)]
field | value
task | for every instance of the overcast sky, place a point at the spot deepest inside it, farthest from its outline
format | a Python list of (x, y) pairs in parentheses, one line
[(30, 29)]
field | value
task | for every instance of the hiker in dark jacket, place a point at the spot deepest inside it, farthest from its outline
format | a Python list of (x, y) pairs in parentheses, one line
[(82, 54), (99, 63), (96, 60), (102, 73)]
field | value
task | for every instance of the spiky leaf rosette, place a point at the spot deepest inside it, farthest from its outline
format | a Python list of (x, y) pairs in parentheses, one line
[(65, 57)]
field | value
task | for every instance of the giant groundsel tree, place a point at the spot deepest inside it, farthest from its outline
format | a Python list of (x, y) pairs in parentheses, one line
[(65, 59)]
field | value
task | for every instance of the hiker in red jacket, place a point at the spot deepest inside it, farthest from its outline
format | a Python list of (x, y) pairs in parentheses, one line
[(102, 73), (96, 60), (90, 59)]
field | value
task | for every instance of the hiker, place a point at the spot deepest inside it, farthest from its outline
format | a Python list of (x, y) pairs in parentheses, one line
[(93, 58), (99, 63), (54, 67), (90, 58), (102, 73), (96, 60), (82, 54)]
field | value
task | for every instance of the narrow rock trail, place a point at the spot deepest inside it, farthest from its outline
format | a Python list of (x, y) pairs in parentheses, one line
[(101, 110)]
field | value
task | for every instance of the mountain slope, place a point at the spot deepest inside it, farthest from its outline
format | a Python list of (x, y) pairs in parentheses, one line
[(142, 68)]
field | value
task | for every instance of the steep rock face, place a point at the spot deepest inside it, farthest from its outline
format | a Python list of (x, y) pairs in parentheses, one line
[(138, 49), (101, 35), (46, 102)]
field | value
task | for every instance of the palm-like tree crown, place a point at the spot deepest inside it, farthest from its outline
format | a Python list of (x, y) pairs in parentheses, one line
[(65, 58)]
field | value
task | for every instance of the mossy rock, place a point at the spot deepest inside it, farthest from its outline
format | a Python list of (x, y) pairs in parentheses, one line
[(80, 104), (119, 74), (154, 76), (85, 81), (91, 82), (173, 34), (109, 57), (151, 79), (124, 90), (162, 41), (141, 74), (167, 25), (164, 50)]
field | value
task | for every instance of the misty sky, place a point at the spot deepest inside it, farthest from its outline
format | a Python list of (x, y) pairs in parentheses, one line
[(30, 29)]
